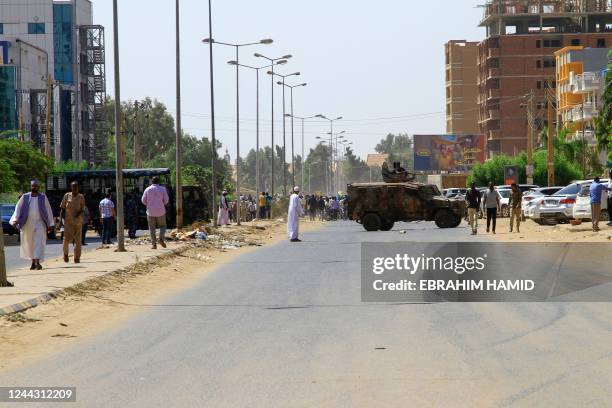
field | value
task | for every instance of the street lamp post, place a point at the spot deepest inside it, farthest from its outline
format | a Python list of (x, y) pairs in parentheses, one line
[(303, 158), (272, 73), (179, 185), (337, 137), (272, 61), (119, 150), (256, 69), (237, 47), (292, 139), (331, 132), (212, 118)]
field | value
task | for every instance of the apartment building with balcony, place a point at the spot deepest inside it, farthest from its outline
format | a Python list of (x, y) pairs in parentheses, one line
[(518, 56), (461, 73), (580, 76)]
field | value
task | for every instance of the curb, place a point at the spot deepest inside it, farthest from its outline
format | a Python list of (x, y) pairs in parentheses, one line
[(46, 297)]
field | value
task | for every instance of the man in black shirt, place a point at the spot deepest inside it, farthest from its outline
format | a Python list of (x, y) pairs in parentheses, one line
[(472, 197)]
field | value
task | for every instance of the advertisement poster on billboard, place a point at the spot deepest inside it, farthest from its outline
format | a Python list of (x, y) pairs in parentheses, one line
[(448, 152)]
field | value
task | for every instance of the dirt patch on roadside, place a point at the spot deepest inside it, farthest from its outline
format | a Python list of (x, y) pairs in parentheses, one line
[(532, 232), (99, 304)]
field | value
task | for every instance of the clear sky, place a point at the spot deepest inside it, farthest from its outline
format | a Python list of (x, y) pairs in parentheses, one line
[(379, 64)]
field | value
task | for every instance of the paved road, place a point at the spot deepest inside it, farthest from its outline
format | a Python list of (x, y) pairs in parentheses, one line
[(284, 327)]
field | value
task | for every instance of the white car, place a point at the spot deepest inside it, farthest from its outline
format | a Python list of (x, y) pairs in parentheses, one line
[(504, 202), (530, 198), (582, 207), (557, 208)]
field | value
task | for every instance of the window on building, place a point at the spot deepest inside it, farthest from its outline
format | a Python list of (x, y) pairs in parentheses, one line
[(549, 63), (539, 84), (552, 43), (601, 43), (538, 44), (36, 28), (576, 41), (1, 28), (538, 64)]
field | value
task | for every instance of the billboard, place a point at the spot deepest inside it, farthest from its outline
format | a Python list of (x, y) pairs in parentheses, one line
[(448, 152)]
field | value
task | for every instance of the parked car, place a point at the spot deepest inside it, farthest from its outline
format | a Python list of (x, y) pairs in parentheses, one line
[(558, 208), (582, 207), (504, 202), (522, 187), (6, 212), (530, 198), (454, 192)]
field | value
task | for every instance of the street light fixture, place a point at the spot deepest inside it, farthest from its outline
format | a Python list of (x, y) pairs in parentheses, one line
[(237, 47), (292, 140), (256, 69), (272, 74), (272, 61), (303, 158), (331, 132)]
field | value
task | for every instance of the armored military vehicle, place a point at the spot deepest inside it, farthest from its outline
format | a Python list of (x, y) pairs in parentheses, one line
[(377, 206)]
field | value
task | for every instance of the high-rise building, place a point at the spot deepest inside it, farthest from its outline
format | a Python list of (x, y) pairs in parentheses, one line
[(461, 89), (51, 47), (518, 56), (580, 85)]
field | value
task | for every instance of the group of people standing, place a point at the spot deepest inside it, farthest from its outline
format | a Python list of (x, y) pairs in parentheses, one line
[(323, 207), (250, 208), (490, 200), (33, 217)]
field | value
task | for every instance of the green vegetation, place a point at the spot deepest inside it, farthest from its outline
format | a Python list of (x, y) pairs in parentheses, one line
[(20, 162)]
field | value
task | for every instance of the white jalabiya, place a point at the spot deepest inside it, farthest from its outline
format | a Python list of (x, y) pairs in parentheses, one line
[(293, 216), (223, 217), (34, 232)]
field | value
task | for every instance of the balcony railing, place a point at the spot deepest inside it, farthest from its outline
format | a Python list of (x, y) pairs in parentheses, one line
[(585, 83), (493, 73), (493, 8), (585, 111)]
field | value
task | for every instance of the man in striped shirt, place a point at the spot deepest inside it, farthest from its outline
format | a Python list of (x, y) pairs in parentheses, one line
[(107, 213)]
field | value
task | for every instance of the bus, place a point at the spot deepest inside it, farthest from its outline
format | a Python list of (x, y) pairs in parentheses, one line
[(95, 183)]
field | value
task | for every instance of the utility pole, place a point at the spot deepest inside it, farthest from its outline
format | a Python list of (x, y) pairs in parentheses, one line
[(3, 279), (48, 116), (550, 156), (179, 185), (119, 143), (530, 136), (213, 140)]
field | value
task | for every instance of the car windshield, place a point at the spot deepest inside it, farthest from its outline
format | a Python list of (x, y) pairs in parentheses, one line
[(504, 193), (568, 190), (7, 210)]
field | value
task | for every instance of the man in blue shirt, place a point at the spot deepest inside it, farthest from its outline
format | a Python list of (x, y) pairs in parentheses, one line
[(595, 192)]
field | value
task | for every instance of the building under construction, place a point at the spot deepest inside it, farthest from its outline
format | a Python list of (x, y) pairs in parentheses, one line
[(52, 77), (518, 56)]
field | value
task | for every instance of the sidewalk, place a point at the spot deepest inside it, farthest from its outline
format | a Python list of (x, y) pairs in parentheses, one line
[(35, 287)]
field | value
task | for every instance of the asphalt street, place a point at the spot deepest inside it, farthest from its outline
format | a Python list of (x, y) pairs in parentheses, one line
[(284, 326)]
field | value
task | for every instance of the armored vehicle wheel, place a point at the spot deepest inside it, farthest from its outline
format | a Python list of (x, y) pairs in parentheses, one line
[(447, 219), (387, 226), (371, 222)]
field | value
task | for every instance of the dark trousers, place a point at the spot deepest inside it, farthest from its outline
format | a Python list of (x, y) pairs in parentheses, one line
[(262, 213), (269, 211), (610, 209), (83, 233), (131, 226), (491, 215), (107, 225)]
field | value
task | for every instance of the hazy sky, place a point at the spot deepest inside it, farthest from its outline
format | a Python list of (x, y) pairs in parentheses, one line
[(379, 64)]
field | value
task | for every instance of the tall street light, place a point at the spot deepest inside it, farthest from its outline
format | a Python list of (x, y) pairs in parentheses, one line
[(256, 69), (237, 47), (119, 144), (292, 141), (272, 61), (335, 138), (272, 74), (213, 139), (324, 142), (303, 158), (179, 185), (331, 131)]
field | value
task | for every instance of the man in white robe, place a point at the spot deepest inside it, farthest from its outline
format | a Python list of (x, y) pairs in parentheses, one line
[(223, 218), (293, 216), (34, 217)]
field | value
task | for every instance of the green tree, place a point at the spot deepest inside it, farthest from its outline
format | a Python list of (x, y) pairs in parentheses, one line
[(354, 169), (400, 148), (317, 167), (25, 163), (603, 124)]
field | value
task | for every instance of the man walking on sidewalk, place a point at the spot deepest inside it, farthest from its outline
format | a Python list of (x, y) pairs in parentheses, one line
[(293, 216), (155, 198), (107, 213), (596, 191), (491, 203), (472, 197), (73, 205), (34, 217), (516, 198)]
